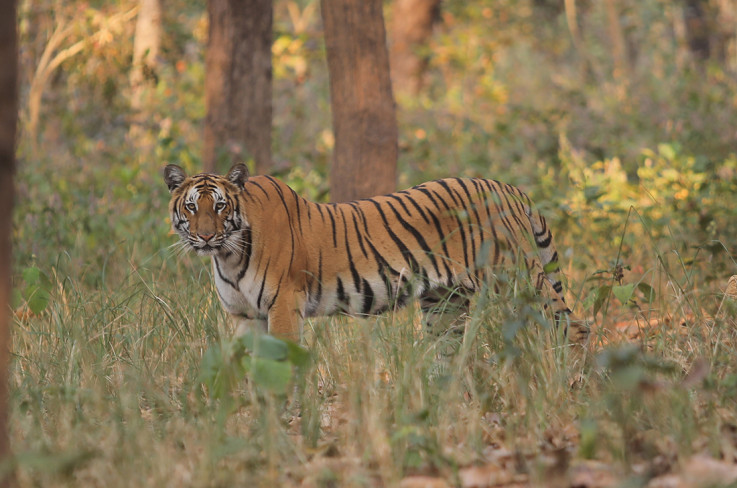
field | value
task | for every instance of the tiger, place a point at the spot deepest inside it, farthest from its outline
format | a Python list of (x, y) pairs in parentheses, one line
[(278, 258)]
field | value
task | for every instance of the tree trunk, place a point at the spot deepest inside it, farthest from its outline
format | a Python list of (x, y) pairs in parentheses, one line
[(616, 36), (697, 29), (8, 119), (364, 116), (412, 22), (238, 84), (727, 32), (145, 51)]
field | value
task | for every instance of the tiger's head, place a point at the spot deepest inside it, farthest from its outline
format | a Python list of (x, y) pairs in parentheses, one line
[(205, 209)]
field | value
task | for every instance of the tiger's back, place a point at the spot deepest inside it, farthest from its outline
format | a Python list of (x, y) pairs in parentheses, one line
[(439, 241)]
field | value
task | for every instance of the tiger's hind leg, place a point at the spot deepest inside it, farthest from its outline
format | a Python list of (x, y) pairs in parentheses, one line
[(445, 311)]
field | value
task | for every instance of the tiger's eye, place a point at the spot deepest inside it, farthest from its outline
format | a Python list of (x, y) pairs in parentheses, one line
[(190, 206), (219, 206)]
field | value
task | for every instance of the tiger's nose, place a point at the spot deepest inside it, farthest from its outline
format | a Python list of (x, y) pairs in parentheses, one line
[(205, 237)]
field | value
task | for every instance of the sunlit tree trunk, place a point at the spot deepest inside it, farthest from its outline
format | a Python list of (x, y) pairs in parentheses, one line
[(412, 22), (8, 119), (364, 116), (145, 53), (616, 37), (728, 32), (238, 84)]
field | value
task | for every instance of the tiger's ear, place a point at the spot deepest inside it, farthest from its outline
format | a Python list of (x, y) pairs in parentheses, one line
[(238, 175), (174, 176)]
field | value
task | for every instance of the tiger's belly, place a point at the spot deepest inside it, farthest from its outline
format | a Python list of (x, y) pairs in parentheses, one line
[(369, 294)]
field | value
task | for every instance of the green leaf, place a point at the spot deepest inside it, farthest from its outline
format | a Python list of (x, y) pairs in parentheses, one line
[(32, 275), (648, 291), (667, 151), (592, 193), (16, 298), (298, 355), (269, 374), (37, 290), (551, 267), (211, 372), (601, 294), (623, 292), (589, 435), (264, 346), (37, 298)]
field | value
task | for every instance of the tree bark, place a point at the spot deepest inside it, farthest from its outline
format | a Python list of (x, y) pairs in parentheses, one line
[(145, 52), (8, 120), (364, 116), (238, 84), (616, 36), (412, 22), (697, 29)]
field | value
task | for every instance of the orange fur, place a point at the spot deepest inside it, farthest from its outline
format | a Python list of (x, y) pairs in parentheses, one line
[(278, 258)]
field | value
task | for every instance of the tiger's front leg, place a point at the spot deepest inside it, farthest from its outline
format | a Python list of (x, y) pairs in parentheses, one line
[(286, 316), (243, 325)]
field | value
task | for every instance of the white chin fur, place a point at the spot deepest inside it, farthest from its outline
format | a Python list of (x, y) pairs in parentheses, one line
[(206, 251)]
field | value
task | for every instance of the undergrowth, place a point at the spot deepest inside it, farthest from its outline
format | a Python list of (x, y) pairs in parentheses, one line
[(110, 387)]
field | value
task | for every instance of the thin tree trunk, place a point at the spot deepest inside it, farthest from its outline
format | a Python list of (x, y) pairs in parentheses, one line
[(412, 22), (52, 57), (145, 52), (364, 116), (616, 36), (8, 119), (727, 32), (238, 84)]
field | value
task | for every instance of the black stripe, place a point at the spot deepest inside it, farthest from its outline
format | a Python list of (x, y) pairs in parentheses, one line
[(318, 295), (275, 183), (460, 228), (246, 252), (399, 200), (351, 264), (368, 297), (496, 199), (319, 209), (220, 274), (485, 195), (415, 204), (358, 233), (418, 237), (545, 243), (257, 185), (296, 204), (263, 284), (444, 184), (332, 223), (467, 222), (276, 295), (405, 252), (342, 297), (511, 204)]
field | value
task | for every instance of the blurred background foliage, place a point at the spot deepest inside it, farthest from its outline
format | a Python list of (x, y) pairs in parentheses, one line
[(594, 108)]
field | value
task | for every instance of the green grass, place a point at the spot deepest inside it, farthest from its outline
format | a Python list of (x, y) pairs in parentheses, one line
[(105, 390)]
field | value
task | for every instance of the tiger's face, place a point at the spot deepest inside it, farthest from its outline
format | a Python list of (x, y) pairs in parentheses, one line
[(205, 209)]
